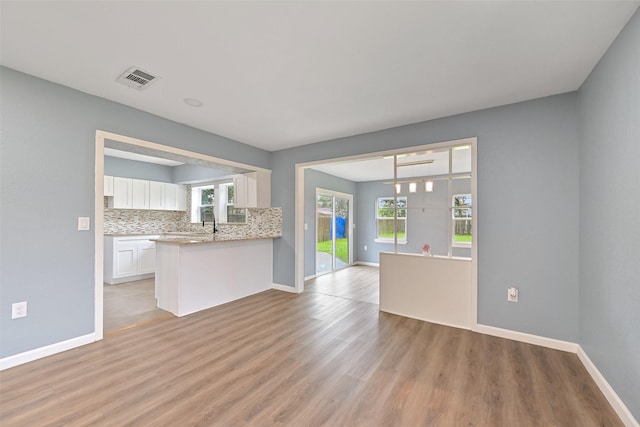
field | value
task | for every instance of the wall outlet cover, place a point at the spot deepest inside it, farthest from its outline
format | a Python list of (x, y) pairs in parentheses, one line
[(512, 294), (18, 310)]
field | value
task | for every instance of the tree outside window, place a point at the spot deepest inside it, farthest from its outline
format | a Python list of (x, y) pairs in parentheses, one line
[(385, 218), (462, 214), (207, 197)]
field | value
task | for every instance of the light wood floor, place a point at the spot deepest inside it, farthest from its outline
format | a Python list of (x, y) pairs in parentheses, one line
[(358, 282), (129, 304), (302, 360)]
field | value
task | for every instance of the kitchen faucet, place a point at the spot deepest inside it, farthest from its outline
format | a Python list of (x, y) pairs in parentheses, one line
[(215, 229)]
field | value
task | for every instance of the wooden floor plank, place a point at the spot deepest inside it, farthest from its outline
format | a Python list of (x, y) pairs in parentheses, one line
[(280, 359)]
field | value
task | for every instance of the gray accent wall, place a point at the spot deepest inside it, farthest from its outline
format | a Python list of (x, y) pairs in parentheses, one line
[(47, 174), (428, 219), (194, 174), (126, 168), (527, 174), (609, 105), (315, 179)]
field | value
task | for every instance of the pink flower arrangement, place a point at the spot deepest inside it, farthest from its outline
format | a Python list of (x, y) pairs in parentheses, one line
[(426, 248)]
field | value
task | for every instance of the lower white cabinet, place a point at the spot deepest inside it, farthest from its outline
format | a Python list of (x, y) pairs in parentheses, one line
[(129, 258)]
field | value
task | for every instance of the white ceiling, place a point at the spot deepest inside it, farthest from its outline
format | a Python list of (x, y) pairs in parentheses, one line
[(381, 168), (282, 74)]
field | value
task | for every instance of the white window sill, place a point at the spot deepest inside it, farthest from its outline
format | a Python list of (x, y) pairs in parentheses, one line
[(461, 245), (400, 242)]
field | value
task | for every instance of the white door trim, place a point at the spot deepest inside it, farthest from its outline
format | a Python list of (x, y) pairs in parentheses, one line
[(101, 136)]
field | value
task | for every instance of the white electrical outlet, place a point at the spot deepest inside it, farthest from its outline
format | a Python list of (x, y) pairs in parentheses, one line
[(365, 247), (18, 310), (512, 294)]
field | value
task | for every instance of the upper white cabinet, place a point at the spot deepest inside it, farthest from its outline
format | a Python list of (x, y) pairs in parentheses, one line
[(252, 190), (122, 193), (167, 196), (142, 194), (108, 185), (156, 195)]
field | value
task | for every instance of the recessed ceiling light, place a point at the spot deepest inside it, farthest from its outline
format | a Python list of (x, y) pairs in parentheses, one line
[(193, 102)]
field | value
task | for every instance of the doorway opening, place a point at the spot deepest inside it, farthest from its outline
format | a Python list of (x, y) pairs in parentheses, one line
[(222, 167), (334, 240)]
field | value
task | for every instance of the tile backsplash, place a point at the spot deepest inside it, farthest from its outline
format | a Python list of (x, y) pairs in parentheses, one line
[(261, 222), (141, 221)]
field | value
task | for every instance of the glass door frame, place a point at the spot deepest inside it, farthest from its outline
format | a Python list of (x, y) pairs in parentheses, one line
[(350, 228)]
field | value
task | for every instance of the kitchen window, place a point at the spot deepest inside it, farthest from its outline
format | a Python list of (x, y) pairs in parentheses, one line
[(385, 218), (202, 203), (215, 199)]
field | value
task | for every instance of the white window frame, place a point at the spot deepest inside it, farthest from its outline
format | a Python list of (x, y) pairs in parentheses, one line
[(401, 241), (454, 220), (196, 197), (220, 200)]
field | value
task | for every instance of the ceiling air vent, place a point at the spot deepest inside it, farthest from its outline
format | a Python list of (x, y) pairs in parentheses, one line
[(136, 78)]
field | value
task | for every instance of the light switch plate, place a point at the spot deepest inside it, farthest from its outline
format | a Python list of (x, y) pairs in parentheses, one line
[(84, 223)]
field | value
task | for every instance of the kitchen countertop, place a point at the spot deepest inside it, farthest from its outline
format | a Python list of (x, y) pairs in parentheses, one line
[(136, 234), (196, 239)]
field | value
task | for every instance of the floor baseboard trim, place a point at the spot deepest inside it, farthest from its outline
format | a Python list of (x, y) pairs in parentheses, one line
[(370, 264), (39, 353), (528, 338), (313, 276), (614, 400), (284, 288)]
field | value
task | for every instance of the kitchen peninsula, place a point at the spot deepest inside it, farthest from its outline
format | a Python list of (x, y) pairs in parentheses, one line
[(196, 271)]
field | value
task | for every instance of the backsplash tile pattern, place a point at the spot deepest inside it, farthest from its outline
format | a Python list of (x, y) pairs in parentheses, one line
[(141, 221), (261, 222)]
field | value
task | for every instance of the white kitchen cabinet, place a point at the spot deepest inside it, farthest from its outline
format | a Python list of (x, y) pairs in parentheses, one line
[(252, 190), (122, 193), (182, 198), (170, 196), (167, 196), (128, 258), (140, 194), (156, 195), (108, 186)]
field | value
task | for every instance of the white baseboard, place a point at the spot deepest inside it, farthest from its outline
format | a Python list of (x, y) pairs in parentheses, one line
[(528, 338), (608, 391), (39, 353), (612, 397), (313, 276), (370, 264), (284, 288)]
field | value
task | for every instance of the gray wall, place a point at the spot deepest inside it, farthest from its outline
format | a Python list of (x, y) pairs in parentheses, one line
[(609, 103), (126, 168), (315, 179), (527, 173), (427, 219), (181, 174), (48, 140), (193, 174)]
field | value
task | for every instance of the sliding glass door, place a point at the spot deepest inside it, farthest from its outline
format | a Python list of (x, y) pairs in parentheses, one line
[(333, 230)]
